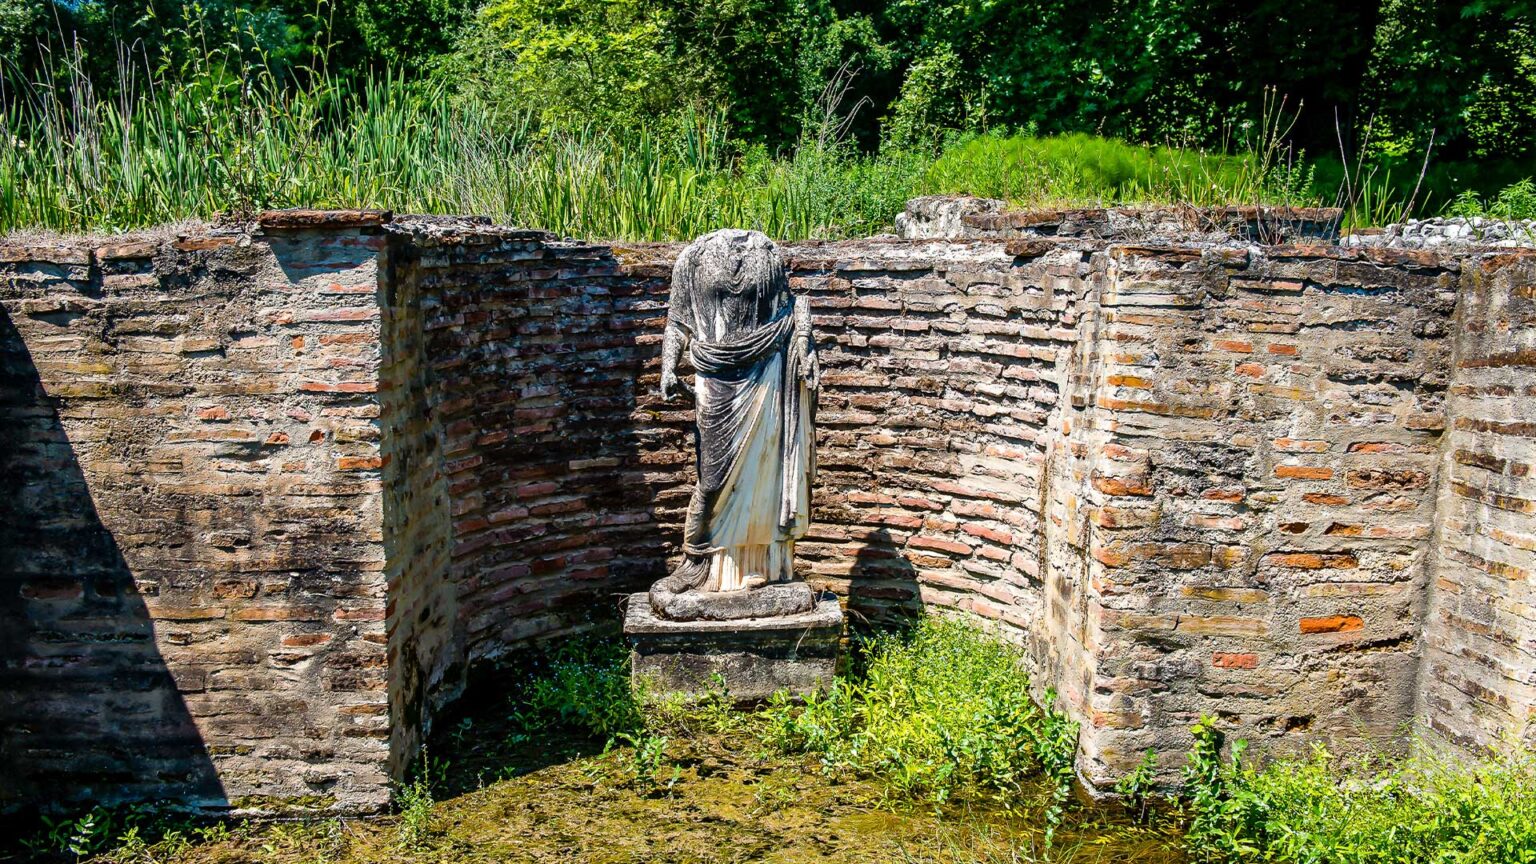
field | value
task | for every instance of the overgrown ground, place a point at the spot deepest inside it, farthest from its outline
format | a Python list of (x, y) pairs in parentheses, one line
[(719, 799), (929, 750)]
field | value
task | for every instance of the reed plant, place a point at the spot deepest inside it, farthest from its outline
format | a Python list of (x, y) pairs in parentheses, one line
[(216, 143), (232, 138)]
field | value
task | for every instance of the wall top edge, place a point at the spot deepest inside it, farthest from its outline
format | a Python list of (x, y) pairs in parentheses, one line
[(304, 218), (436, 231)]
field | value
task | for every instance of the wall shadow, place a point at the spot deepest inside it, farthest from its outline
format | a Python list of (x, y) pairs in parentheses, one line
[(563, 465), (89, 711), (883, 589)]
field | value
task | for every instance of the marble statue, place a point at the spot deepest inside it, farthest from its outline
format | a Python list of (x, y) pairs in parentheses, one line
[(749, 339)]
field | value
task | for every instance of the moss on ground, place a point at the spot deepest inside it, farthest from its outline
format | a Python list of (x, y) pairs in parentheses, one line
[(728, 803)]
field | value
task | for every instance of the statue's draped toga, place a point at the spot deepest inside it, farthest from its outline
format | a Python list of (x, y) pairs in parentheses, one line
[(751, 347)]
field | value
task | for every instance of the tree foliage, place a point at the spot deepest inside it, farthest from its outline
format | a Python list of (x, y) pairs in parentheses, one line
[(1197, 72)]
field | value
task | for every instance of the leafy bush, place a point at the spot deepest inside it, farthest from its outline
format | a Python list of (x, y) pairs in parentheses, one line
[(941, 710), (1515, 201), (583, 686), (1320, 809)]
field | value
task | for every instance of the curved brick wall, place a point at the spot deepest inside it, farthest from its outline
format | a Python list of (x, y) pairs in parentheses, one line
[(560, 468), (1282, 484)]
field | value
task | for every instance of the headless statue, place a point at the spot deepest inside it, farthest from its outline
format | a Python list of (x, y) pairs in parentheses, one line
[(755, 381)]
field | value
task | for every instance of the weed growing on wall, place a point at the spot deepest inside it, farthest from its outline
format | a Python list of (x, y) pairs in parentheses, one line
[(942, 710)]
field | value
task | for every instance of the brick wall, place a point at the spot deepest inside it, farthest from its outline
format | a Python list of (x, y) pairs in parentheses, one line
[(566, 475), (424, 660), (191, 569), (321, 466), (1262, 494), (944, 433), (1478, 680)]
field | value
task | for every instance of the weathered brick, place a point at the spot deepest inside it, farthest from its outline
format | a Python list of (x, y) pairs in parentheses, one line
[(1331, 624), (1234, 660)]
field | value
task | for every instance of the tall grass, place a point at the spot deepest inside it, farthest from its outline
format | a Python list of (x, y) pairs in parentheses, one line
[(75, 161), (1078, 169), (219, 142)]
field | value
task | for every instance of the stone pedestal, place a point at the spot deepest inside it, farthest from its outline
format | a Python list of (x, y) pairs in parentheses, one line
[(754, 656)]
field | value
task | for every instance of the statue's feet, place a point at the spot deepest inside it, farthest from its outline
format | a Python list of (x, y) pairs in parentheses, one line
[(753, 582)]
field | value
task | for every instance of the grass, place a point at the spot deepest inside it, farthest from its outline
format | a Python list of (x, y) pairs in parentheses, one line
[(160, 152), (1078, 169)]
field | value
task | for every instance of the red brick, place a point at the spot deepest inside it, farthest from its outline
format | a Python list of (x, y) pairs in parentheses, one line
[(1312, 560), (339, 387), (987, 533), (1377, 447), (1121, 485), (1331, 624), (1231, 660), (939, 544), (1303, 472), (1300, 445)]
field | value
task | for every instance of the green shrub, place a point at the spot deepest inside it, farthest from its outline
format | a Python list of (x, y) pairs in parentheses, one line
[(1136, 788), (941, 710), (1320, 809), (583, 686), (1516, 201)]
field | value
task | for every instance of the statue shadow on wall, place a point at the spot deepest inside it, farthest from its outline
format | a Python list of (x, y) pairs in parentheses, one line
[(89, 711), (883, 588)]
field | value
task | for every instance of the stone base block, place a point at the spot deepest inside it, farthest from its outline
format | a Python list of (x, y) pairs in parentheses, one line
[(754, 656)]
